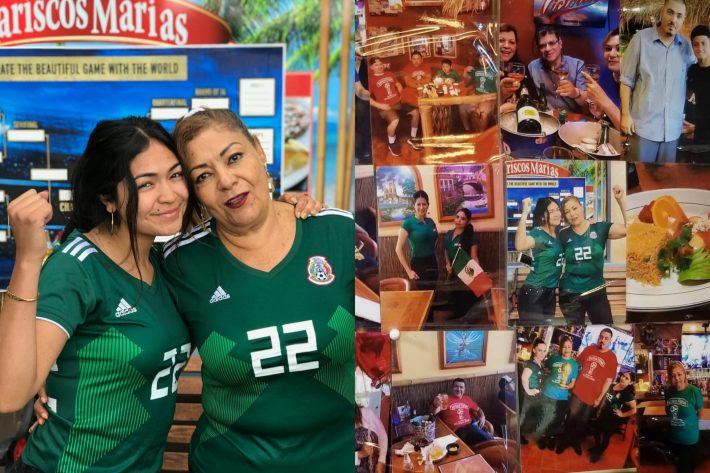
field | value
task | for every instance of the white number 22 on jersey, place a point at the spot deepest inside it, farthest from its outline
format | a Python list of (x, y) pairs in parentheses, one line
[(292, 351), (583, 253)]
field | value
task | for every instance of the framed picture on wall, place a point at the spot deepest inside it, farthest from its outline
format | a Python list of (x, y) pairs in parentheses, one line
[(384, 42), (420, 44), (395, 187), (467, 185), (444, 46), (462, 348)]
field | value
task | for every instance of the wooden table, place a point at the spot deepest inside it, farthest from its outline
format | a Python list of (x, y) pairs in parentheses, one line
[(441, 431), (660, 411), (404, 310)]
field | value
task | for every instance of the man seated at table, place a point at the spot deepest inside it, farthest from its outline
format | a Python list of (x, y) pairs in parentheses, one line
[(447, 71), (385, 96), (416, 73), (568, 94), (461, 414)]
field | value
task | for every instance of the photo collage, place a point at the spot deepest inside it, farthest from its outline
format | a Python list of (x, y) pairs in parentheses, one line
[(532, 207)]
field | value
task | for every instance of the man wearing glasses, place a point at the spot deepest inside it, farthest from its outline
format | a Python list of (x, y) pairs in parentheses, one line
[(561, 75)]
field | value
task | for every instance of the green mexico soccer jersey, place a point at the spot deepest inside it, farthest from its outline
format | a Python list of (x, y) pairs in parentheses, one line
[(452, 244), (584, 257), (277, 349), (113, 387), (547, 260)]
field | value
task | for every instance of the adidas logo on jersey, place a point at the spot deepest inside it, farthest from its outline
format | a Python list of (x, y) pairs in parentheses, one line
[(219, 295), (124, 308)]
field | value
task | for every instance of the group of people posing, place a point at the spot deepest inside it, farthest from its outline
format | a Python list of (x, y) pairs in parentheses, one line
[(421, 234), (570, 259), (560, 394), (660, 70), (109, 320)]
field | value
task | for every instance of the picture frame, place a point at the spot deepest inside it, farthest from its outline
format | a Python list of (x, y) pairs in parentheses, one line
[(444, 46), (421, 44), (462, 348), (384, 42), (395, 186), (467, 185)]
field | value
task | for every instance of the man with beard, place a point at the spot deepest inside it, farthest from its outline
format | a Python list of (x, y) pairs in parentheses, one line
[(598, 367), (653, 82)]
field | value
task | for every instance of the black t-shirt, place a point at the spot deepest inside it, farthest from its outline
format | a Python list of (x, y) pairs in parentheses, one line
[(699, 84)]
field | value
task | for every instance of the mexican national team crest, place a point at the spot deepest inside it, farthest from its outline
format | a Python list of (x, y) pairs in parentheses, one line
[(319, 271)]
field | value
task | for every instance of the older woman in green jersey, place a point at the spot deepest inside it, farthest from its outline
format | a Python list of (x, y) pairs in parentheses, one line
[(582, 286), (268, 306), (684, 403), (536, 298)]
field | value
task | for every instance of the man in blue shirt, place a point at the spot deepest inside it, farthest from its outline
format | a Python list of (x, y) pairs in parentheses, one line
[(568, 94), (653, 76)]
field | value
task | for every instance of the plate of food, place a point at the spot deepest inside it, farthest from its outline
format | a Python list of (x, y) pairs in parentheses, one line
[(437, 452), (668, 250)]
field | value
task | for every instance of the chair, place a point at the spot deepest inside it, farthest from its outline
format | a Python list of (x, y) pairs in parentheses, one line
[(394, 284)]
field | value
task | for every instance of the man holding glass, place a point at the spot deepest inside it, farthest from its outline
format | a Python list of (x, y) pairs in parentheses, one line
[(561, 75)]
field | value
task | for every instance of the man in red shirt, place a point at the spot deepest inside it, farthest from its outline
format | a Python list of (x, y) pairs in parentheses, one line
[(598, 367), (462, 414), (416, 73), (385, 95)]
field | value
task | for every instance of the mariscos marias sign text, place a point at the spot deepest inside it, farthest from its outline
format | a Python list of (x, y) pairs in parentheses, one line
[(157, 22)]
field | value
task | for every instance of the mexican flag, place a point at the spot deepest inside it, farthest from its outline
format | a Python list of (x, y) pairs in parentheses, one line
[(471, 273)]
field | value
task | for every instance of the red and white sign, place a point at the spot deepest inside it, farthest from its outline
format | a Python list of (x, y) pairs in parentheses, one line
[(147, 22)]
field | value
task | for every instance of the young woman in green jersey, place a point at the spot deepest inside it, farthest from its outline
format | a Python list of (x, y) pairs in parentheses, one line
[(421, 233), (531, 382), (618, 406), (684, 403), (269, 307), (460, 238), (107, 337), (582, 286), (536, 298)]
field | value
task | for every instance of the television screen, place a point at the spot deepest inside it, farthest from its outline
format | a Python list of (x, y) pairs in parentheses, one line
[(622, 344), (695, 349)]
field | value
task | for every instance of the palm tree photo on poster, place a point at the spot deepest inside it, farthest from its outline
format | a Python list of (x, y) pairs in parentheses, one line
[(462, 348), (296, 23)]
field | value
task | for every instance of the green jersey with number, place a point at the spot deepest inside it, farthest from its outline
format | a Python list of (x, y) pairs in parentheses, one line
[(547, 260), (277, 349), (113, 387), (584, 257)]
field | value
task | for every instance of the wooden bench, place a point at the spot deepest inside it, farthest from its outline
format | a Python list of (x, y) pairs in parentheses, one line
[(615, 276), (187, 413)]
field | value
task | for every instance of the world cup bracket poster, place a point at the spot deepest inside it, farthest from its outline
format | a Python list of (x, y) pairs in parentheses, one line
[(51, 99), (571, 12)]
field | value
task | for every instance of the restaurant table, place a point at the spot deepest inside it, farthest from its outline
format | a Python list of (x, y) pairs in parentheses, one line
[(442, 430), (660, 411), (404, 310), (367, 302)]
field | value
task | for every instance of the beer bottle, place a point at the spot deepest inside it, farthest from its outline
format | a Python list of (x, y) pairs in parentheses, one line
[(528, 116)]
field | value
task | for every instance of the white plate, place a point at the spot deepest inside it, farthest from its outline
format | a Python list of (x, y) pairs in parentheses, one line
[(670, 295)]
